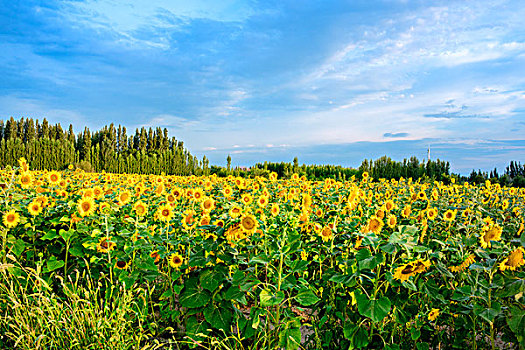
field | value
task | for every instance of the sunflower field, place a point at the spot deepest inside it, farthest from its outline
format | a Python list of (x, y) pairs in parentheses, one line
[(262, 263)]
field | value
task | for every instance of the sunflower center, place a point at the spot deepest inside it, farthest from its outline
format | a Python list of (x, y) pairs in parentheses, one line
[(514, 259), (86, 206), (165, 212), (10, 217)]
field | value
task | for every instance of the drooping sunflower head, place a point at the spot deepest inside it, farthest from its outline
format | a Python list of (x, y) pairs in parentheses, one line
[(327, 233), (514, 260), (433, 314), (155, 255), (104, 245), (490, 233), (189, 220), (86, 206), (235, 211), (404, 272), (11, 219)]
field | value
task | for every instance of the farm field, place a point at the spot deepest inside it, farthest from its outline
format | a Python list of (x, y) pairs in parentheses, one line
[(100, 260)]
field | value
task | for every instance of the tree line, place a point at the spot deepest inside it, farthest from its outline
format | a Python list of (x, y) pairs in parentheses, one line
[(514, 175), (46, 146)]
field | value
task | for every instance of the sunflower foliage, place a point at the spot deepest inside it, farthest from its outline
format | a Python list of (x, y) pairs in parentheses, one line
[(209, 262)]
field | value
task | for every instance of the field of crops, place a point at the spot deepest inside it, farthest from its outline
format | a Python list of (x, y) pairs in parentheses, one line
[(96, 260)]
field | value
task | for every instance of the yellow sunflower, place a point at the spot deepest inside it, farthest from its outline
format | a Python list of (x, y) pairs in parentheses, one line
[(449, 215), (375, 224), (86, 206), (104, 245), (164, 213), (54, 177), (391, 221), (26, 180), (490, 233), (227, 191), (34, 208), (11, 219), (247, 199), (124, 197), (176, 260), (433, 314), (514, 260), (326, 233), (432, 213), (249, 224), (208, 204), (275, 209), (189, 221), (198, 194), (122, 265), (389, 205), (262, 201), (407, 210), (140, 208), (235, 211)]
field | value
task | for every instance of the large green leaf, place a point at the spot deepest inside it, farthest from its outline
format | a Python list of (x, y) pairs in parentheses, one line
[(52, 264), (268, 298), (66, 235), (290, 338), (194, 329), (193, 295), (376, 309), (488, 314), (306, 297), (516, 322), (18, 247), (211, 279), (218, 316)]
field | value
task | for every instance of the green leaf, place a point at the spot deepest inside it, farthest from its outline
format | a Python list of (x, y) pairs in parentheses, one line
[(193, 295), (422, 346), (194, 329), (290, 338), (218, 316), (374, 309), (361, 339), (306, 297), (516, 322), (211, 279), (51, 234), (66, 235), (522, 239), (268, 299), (167, 294), (488, 314), (260, 259), (512, 288), (52, 264), (18, 247)]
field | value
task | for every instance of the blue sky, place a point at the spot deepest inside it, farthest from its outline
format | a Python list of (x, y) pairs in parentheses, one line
[(328, 81)]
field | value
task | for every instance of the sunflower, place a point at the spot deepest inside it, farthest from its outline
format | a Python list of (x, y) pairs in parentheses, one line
[(171, 198), (22, 162), (189, 221), (465, 264), (391, 221), (155, 255), (124, 197), (122, 265), (422, 196), (375, 224), (26, 180), (491, 233), (262, 201), (326, 233), (449, 215), (389, 205), (514, 260), (164, 213), (235, 211), (219, 223), (175, 260), (407, 210), (205, 220), (412, 268), (208, 204), (54, 177), (247, 199), (249, 224), (34, 208), (273, 176), (227, 191), (140, 208), (275, 209), (433, 314), (432, 213), (198, 194), (104, 245), (43, 200), (11, 219), (86, 206)]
